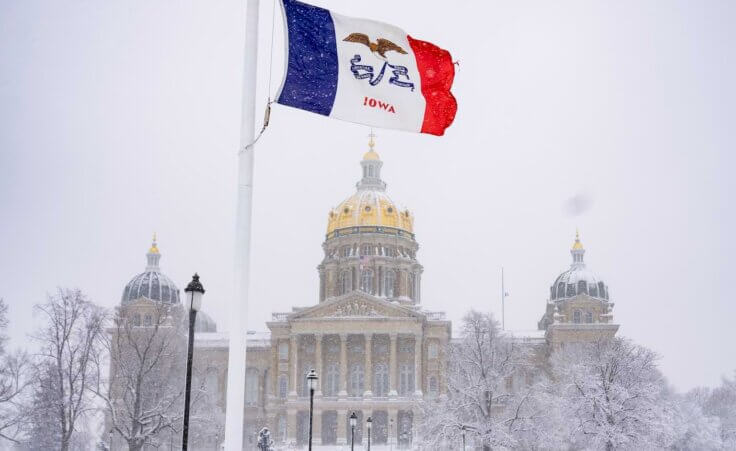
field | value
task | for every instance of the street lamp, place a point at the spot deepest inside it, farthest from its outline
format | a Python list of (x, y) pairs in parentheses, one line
[(368, 424), (353, 421), (312, 379), (463, 432), (390, 434), (194, 292)]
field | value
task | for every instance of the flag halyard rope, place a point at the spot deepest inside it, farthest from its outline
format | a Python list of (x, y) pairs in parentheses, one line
[(267, 112)]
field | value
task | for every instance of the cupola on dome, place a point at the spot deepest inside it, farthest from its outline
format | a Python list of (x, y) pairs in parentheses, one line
[(151, 284), (370, 206), (578, 279)]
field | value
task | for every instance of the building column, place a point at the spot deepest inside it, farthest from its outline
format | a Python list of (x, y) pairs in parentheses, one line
[(393, 426), (442, 379), (343, 366), (392, 379), (368, 370), (291, 426), (293, 345), (418, 365), (342, 427), (317, 427), (318, 364)]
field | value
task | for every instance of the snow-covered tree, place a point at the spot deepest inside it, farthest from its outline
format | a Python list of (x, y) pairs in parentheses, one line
[(611, 396), (480, 370), (15, 369), (144, 393), (722, 404), (692, 427), (68, 339)]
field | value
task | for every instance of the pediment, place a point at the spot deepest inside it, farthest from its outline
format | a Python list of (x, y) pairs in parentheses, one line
[(356, 305)]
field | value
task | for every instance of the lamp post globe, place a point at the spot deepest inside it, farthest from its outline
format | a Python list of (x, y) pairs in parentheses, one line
[(353, 422), (194, 293), (369, 424), (312, 379)]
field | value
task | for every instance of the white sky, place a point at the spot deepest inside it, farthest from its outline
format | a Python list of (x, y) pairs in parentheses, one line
[(118, 119)]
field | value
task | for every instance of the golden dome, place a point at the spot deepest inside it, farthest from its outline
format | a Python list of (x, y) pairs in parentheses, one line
[(370, 205), (577, 245), (369, 208)]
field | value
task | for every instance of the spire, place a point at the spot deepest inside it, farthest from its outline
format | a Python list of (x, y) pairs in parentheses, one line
[(371, 166), (577, 251), (153, 256)]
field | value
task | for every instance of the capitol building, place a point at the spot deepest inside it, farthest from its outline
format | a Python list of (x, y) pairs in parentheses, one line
[(378, 352)]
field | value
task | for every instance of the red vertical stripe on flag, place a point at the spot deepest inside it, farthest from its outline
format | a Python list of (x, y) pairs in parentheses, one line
[(437, 73)]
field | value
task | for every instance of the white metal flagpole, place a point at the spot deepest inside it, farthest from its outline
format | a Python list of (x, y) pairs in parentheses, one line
[(239, 312)]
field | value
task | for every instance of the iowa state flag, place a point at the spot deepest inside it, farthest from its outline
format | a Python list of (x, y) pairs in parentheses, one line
[(365, 71)]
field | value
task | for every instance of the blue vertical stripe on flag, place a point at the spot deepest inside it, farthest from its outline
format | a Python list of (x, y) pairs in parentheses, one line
[(311, 77)]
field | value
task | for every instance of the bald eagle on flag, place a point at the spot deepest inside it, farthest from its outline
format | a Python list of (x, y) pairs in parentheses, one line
[(364, 71)]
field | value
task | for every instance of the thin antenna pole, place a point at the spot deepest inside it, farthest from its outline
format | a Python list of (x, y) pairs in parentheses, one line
[(239, 306), (503, 303)]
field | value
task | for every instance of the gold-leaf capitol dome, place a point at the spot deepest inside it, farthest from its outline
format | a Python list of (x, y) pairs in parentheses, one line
[(370, 205), (370, 244)]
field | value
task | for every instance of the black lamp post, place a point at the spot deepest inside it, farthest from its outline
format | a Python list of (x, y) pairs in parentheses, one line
[(194, 292), (353, 421), (312, 379), (463, 432), (368, 424)]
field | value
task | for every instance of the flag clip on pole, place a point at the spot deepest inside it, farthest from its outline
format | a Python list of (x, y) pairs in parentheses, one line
[(239, 306)]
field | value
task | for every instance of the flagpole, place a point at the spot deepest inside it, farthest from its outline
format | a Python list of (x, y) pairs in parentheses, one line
[(239, 306), (503, 303)]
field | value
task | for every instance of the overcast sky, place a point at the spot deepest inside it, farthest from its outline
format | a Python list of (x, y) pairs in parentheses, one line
[(118, 119)]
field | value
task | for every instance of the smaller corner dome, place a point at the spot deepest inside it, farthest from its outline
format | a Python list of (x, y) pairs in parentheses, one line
[(371, 155), (151, 284), (204, 323)]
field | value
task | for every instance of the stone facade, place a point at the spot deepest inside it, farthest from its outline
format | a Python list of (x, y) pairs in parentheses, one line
[(377, 352)]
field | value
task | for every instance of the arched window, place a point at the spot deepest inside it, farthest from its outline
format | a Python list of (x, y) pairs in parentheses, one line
[(356, 380), (594, 290), (380, 380), (345, 282), (366, 281), (251, 386), (137, 319), (390, 283), (582, 287), (148, 320), (283, 350), (602, 290), (432, 350), (412, 285), (345, 251), (589, 317), (576, 317), (332, 381), (370, 171), (561, 290), (570, 290), (366, 249), (283, 386), (406, 379), (432, 386)]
